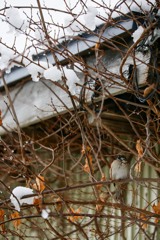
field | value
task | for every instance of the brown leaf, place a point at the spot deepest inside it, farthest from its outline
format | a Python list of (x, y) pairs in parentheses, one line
[(83, 150), (17, 222), (102, 179), (156, 220), (148, 90), (99, 207), (58, 205), (39, 185), (35, 186), (37, 201), (140, 153), (2, 226), (86, 166), (73, 218), (138, 167), (97, 46), (139, 148), (78, 211), (156, 209), (143, 216), (88, 148), (150, 103), (102, 198)]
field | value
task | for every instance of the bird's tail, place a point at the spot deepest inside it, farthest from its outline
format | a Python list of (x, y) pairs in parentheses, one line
[(118, 191)]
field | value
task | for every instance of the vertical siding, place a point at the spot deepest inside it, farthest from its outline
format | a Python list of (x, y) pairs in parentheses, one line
[(136, 196)]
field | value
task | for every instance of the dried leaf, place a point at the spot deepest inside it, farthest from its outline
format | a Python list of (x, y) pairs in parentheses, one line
[(37, 200), (39, 183), (138, 167), (58, 205), (143, 216), (86, 166), (78, 211), (73, 218), (2, 212), (139, 148), (156, 220), (99, 207), (35, 186), (150, 103), (17, 222), (2, 226), (148, 90), (156, 209), (102, 179), (97, 46), (102, 198), (83, 150), (140, 153), (88, 148)]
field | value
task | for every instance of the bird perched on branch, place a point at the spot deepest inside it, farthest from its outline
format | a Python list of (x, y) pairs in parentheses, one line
[(119, 170)]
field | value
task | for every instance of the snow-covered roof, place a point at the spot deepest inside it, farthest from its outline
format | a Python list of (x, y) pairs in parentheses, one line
[(76, 46), (34, 101), (22, 31)]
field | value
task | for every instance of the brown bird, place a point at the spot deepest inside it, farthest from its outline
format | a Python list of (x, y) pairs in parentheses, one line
[(119, 170)]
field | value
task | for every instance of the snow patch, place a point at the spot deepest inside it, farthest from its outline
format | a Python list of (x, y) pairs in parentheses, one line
[(40, 35), (37, 71), (137, 34), (78, 67), (72, 26), (71, 80), (53, 74), (90, 18), (16, 20), (20, 192), (45, 213)]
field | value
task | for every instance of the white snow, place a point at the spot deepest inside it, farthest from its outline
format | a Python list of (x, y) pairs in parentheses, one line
[(90, 18), (19, 192), (45, 213), (16, 19), (73, 25), (78, 67), (53, 74), (137, 34), (71, 80), (40, 35), (37, 71)]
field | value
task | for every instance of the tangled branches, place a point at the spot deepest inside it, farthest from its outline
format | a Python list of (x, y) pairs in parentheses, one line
[(97, 96)]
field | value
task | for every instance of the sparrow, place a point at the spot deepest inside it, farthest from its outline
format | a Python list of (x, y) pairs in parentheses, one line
[(119, 170)]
